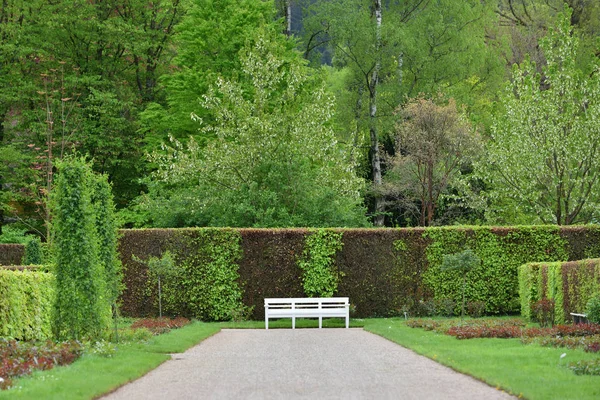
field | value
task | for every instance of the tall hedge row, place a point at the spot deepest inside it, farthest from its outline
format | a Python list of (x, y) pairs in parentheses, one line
[(11, 254), (569, 284), (26, 299), (382, 270)]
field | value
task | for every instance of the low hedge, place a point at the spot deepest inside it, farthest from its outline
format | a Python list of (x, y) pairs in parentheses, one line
[(383, 271), (26, 300), (11, 254), (569, 284)]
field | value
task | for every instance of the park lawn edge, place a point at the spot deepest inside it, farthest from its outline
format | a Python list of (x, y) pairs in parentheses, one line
[(93, 376), (526, 371)]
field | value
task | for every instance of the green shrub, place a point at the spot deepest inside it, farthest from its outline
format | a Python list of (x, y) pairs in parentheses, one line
[(106, 230), (209, 287), (320, 276), (162, 269), (462, 263), (82, 308), (501, 250), (26, 300), (33, 252), (592, 309), (586, 367), (14, 235), (569, 284), (384, 269)]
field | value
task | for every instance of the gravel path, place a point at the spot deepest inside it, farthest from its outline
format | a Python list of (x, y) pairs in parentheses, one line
[(302, 364)]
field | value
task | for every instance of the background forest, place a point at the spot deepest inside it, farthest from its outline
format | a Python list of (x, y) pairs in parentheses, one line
[(252, 113)]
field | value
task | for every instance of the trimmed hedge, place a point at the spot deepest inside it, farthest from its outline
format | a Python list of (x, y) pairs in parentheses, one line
[(26, 300), (383, 270), (569, 284), (11, 254)]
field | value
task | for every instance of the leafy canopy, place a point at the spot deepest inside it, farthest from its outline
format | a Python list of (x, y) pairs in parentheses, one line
[(544, 153), (273, 160)]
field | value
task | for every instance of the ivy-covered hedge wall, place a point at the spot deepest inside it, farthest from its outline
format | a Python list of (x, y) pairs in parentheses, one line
[(26, 299), (11, 254), (569, 284), (383, 271)]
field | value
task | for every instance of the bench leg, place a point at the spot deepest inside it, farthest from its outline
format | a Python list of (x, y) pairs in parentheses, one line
[(320, 322), (266, 323), (347, 322), (293, 322)]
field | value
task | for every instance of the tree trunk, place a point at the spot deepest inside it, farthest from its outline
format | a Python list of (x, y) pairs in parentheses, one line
[(375, 152)]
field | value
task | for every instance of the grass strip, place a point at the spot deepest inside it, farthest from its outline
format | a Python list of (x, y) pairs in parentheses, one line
[(93, 375), (528, 371)]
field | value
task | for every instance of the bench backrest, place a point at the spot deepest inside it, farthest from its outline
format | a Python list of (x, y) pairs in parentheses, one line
[(307, 302)]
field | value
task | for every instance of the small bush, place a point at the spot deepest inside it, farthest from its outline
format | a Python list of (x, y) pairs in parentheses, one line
[(33, 252), (476, 309), (586, 367), (592, 309), (593, 347), (426, 324), (160, 325), (128, 335), (446, 307)]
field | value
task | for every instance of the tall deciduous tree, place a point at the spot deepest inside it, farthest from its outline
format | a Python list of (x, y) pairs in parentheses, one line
[(207, 42), (395, 49), (432, 143), (274, 160), (544, 154)]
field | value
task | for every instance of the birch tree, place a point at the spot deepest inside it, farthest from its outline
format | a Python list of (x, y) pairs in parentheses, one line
[(544, 156), (394, 49)]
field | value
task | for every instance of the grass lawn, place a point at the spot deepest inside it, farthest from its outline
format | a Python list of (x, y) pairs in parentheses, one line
[(93, 375), (530, 371)]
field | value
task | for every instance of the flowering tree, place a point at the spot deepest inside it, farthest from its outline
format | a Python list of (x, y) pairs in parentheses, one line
[(272, 158), (544, 156)]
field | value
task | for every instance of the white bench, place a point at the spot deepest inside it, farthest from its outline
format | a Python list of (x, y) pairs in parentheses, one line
[(317, 307)]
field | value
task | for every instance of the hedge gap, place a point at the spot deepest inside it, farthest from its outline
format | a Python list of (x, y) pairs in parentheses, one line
[(11, 254)]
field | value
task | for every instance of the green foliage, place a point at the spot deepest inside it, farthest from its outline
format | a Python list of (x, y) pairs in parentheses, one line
[(33, 252), (320, 276), (11, 234), (224, 27), (544, 156), (106, 229), (26, 301), (495, 280), (462, 262), (272, 161), (592, 309), (384, 269), (163, 267), (569, 284), (586, 367), (161, 271), (208, 287), (82, 308)]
